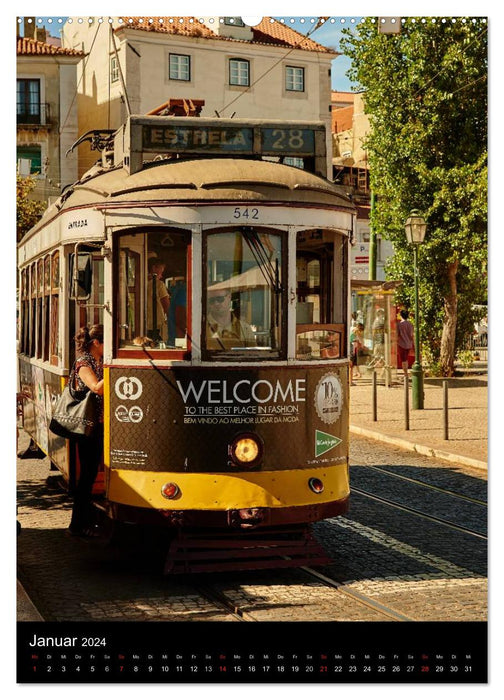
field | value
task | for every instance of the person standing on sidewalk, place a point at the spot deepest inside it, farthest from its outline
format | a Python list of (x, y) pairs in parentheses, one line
[(356, 346), (404, 339)]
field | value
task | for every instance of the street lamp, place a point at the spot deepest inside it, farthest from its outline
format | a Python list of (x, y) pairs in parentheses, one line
[(415, 233)]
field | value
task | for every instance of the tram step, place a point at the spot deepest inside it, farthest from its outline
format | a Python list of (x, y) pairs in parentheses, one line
[(193, 553)]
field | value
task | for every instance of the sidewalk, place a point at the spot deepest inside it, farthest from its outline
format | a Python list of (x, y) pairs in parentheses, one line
[(26, 611), (467, 418)]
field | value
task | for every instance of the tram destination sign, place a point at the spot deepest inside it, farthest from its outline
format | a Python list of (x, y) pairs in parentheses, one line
[(166, 135), (194, 138), (278, 141)]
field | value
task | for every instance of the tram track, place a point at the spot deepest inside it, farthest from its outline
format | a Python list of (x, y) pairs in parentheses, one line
[(365, 600), (220, 600), (419, 513), (424, 484), (223, 601)]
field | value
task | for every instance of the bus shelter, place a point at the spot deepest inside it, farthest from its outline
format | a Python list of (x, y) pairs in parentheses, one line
[(374, 313)]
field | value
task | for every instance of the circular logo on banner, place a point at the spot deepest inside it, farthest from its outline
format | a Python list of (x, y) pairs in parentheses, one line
[(128, 388), (329, 398), (121, 413), (135, 414)]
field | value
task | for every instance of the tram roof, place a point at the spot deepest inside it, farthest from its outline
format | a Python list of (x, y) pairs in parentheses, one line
[(198, 180)]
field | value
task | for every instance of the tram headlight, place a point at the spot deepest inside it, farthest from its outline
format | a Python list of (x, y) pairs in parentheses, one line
[(316, 485), (170, 490), (246, 450)]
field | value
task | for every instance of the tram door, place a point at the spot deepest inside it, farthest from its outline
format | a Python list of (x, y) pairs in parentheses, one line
[(86, 313), (90, 311), (321, 295)]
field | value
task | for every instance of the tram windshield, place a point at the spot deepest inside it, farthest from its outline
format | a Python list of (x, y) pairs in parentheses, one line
[(242, 301), (153, 289)]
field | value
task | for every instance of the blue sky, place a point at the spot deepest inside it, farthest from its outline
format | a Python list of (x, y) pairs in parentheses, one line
[(328, 34)]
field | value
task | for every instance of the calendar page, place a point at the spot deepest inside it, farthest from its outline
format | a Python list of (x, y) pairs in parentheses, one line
[(260, 245)]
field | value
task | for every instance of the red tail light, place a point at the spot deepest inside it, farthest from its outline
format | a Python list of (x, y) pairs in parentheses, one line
[(170, 490), (316, 485)]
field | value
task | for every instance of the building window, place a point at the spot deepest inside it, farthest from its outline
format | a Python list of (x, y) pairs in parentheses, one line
[(234, 21), (28, 107), (180, 67), (239, 72), (294, 79), (29, 160), (114, 69)]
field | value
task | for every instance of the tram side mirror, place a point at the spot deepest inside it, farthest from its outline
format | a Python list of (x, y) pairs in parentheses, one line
[(81, 277)]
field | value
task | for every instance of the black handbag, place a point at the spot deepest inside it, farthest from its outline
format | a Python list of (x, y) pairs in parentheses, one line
[(76, 413)]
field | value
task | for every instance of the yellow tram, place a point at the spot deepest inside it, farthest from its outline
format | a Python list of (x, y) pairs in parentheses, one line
[(215, 254)]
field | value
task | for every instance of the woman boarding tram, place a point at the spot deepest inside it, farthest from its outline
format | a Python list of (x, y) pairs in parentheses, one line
[(233, 425)]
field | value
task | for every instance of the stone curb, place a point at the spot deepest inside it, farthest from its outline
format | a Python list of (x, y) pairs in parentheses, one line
[(26, 610), (421, 449)]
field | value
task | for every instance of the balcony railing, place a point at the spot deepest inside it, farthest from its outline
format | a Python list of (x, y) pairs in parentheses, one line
[(35, 114)]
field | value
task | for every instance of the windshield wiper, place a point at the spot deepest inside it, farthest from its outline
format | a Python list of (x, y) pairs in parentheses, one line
[(270, 271)]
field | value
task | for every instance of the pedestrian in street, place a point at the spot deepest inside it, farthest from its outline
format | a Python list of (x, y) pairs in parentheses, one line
[(88, 373), (404, 339)]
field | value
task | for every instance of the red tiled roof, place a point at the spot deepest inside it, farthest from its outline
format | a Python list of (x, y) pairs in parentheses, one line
[(32, 47), (268, 31), (338, 96)]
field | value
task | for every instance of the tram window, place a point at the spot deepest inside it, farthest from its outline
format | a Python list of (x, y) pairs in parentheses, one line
[(152, 282), (243, 300), (54, 320), (81, 278), (33, 309), (45, 307), (40, 308), (321, 295), (25, 313)]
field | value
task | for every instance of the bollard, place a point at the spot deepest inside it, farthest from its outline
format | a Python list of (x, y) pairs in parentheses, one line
[(445, 408), (406, 403), (375, 408)]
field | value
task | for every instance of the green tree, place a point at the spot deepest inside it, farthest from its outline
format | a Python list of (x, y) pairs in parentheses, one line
[(426, 96), (28, 211)]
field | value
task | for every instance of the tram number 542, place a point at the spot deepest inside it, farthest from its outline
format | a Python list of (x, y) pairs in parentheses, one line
[(246, 213)]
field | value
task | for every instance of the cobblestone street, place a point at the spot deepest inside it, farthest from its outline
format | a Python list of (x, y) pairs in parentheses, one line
[(421, 569)]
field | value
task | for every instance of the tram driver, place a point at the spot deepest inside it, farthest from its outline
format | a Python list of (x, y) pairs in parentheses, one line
[(224, 328)]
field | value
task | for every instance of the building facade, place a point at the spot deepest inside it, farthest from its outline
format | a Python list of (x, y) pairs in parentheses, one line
[(350, 126), (134, 64), (46, 113)]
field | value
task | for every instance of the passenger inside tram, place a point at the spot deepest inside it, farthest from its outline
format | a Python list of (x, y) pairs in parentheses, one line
[(158, 302)]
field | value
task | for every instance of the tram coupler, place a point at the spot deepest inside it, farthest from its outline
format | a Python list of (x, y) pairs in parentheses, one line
[(247, 518)]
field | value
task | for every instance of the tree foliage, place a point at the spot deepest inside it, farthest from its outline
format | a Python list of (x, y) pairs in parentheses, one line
[(426, 96), (28, 211)]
